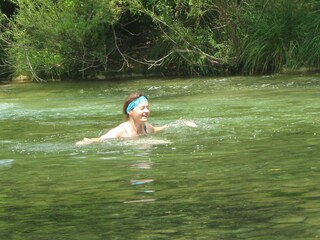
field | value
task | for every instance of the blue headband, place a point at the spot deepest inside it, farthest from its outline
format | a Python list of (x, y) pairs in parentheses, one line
[(136, 102)]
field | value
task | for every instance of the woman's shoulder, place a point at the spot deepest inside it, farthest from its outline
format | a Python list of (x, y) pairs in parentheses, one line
[(121, 129), (118, 131)]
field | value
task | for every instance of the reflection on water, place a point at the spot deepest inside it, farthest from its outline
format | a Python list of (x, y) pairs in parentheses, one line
[(250, 170)]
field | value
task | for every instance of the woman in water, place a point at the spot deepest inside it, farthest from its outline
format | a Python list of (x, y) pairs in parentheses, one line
[(136, 108)]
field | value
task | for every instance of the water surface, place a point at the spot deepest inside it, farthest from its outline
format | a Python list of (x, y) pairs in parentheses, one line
[(251, 169)]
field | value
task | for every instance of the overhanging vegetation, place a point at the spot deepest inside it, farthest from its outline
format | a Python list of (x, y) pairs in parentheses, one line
[(46, 39)]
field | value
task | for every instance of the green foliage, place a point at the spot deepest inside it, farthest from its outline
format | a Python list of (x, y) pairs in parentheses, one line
[(275, 36), (309, 51), (5, 67), (76, 38), (52, 39), (187, 42)]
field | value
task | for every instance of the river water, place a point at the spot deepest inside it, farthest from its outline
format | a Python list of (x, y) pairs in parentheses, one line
[(250, 170)]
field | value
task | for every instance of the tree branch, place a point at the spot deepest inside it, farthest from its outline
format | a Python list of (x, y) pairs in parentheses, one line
[(35, 76)]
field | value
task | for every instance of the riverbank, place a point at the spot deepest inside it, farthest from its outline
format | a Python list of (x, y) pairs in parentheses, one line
[(106, 76)]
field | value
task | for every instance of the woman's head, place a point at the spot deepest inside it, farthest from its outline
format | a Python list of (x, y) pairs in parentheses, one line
[(132, 101)]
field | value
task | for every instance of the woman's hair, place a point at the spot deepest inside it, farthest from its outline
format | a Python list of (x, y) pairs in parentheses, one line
[(129, 99)]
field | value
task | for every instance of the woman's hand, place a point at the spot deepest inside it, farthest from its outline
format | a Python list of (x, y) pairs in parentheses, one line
[(182, 123)]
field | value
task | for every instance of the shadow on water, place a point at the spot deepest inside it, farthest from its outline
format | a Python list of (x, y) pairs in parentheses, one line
[(250, 170)]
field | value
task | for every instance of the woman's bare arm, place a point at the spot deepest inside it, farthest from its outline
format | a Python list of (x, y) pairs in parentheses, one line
[(113, 133)]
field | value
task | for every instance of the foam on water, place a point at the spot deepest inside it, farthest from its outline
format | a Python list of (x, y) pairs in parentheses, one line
[(6, 162), (145, 141), (110, 146), (5, 106), (28, 148)]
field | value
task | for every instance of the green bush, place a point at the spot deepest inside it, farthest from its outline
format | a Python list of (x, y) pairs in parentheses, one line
[(309, 52), (4, 66), (188, 41), (65, 38), (76, 38), (279, 34), (269, 38)]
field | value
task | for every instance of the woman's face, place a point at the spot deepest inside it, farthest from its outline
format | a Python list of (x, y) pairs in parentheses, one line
[(140, 112)]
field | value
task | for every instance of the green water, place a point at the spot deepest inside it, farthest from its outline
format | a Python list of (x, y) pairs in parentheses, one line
[(251, 170)]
